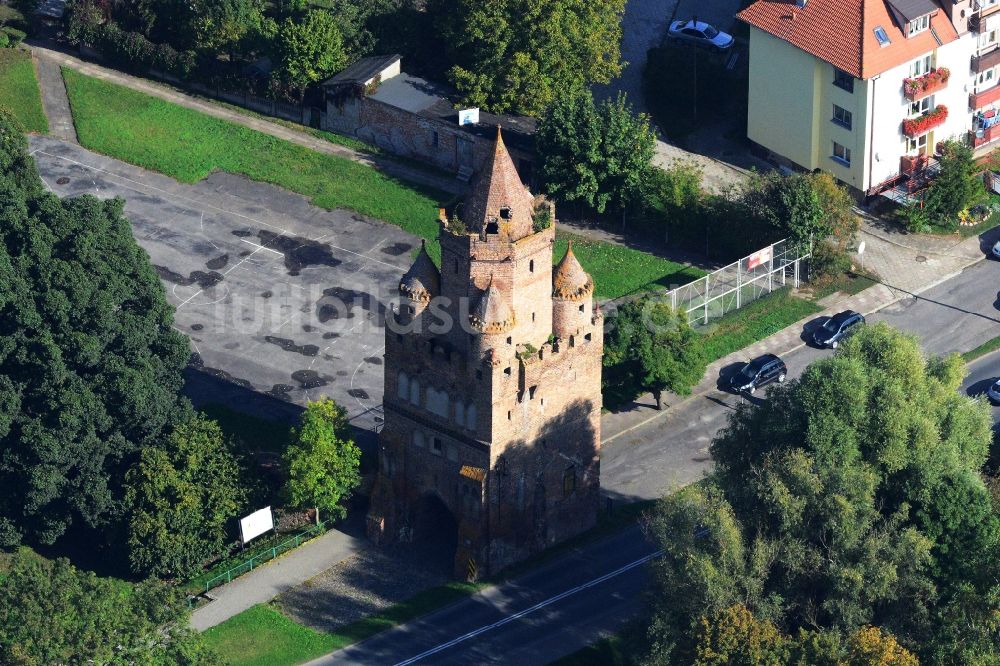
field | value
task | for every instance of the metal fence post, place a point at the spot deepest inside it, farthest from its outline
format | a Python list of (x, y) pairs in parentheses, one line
[(739, 283)]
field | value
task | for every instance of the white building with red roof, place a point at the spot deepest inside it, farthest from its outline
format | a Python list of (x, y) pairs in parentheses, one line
[(866, 89)]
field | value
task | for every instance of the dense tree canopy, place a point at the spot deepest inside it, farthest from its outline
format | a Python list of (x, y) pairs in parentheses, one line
[(51, 613), (850, 498), (519, 55), (90, 368), (956, 187), (595, 153), (308, 50), (180, 498), (654, 348), (322, 459)]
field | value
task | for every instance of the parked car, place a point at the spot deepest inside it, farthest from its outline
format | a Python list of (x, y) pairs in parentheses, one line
[(996, 250), (699, 33), (758, 372), (993, 392), (836, 328)]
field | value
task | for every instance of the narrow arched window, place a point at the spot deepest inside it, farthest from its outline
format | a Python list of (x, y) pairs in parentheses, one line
[(403, 386)]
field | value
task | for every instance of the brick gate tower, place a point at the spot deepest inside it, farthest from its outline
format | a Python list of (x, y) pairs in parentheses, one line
[(492, 385)]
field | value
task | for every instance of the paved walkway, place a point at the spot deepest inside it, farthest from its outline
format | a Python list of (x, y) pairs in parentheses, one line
[(280, 575), (391, 167), (54, 100)]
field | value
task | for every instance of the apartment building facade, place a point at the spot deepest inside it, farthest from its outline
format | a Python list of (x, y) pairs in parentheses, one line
[(866, 89)]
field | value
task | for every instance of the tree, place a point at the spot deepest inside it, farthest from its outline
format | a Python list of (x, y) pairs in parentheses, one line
[(322, 460), (90, 368), (676, 194), (956, 188), (224, 25), (307, 51), (788, 203), (654, 347), (851, 498), (596, 153), (180, 498), (51, 613), (838, 209), (519, 55)]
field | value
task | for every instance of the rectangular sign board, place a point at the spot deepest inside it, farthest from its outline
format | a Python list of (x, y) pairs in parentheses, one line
[(758, 258), (468, 117), (256, 524)]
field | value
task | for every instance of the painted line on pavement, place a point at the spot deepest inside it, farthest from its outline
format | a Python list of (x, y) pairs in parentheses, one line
[(527, 611)]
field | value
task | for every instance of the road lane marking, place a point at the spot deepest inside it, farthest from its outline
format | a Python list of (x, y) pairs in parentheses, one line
[(527, 611), (261, 247)]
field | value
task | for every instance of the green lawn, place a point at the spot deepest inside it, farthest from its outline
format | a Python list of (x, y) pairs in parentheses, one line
[(625, 648), (982, 350), (188, 145), (755, 322), (262, 636), (618, 270), (19, 90)]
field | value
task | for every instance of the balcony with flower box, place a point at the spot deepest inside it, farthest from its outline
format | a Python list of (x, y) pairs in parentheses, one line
[(913, 127), (928, 84)]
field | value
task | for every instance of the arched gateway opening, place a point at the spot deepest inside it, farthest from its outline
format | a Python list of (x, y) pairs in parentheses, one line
[(435, 532)]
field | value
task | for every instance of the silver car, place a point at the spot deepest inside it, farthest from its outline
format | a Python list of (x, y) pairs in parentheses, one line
[(700, 33), (996, 250), (993, 392)]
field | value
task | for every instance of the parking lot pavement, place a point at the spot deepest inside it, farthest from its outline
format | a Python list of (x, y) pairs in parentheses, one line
[(281, 300)]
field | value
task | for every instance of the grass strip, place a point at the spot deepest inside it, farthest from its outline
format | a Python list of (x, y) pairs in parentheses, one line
[(262, 636), (624, 648), (188, 145), (19, 90), (982, 350), (752, 323)]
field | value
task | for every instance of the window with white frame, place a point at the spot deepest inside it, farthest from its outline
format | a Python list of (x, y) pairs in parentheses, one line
[(920, 66), (921, 106), (919, 24), (841, 154), (842, 116), (917, 144), (988, 38), (986, 78)]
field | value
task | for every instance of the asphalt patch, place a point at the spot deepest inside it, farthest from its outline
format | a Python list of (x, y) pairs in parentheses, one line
[(337, 303), (374, 360), (308, 379), (201, 278), (197, 327), (217, 263), (290, 346), (396, 249), (242, 233), (299, 252), (360, 394), (331, 336), (280, 391)]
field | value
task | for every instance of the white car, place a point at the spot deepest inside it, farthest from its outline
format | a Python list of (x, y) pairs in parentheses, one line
[(700, 33), (996, 250), (993, 392)]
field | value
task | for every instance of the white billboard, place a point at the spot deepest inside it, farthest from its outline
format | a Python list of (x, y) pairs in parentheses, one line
[(468, 117), (256, 524)]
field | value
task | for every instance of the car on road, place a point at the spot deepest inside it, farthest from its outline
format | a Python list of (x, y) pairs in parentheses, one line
[(699, 33), (836, 328), (996, 250), (993, 392), (758, 372)]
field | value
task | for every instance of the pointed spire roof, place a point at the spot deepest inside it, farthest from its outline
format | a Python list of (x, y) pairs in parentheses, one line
[(423, 280), (498, 196), (569, 280), (492, 313)]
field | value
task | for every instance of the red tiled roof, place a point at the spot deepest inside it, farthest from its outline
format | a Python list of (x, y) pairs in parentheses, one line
[(842, 32)]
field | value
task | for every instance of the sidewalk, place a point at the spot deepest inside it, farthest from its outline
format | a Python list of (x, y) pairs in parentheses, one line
[(277, 576), (386, 165), (54, 100)]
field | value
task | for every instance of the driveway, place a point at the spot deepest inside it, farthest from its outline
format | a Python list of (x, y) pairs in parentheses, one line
[(282, 301)]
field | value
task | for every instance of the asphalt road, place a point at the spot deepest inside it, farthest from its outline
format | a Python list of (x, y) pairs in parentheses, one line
[(548, 614), (542, 616)]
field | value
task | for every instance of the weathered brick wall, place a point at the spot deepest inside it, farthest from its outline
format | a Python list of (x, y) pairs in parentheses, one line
[(407, 134)]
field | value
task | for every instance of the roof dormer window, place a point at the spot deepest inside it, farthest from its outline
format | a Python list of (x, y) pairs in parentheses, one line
[(918, 25)]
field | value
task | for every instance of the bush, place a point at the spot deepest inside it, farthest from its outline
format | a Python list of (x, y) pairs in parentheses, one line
[(13, 35)]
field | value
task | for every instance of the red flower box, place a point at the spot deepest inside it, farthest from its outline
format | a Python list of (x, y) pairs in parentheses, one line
[(925, 123), (922, 86)]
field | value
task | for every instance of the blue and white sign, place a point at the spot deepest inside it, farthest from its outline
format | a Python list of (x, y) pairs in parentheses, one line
[(468, 117)]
